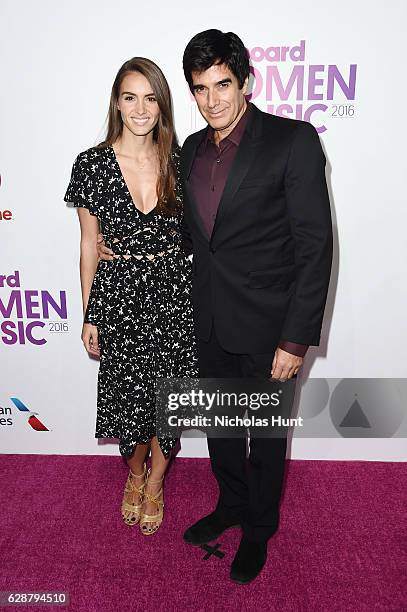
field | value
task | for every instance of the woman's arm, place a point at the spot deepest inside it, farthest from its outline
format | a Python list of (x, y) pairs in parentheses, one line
[(89, 255), (88, 264)]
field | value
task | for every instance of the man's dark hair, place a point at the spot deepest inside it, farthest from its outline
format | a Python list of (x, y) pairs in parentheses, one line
[(214, 47)]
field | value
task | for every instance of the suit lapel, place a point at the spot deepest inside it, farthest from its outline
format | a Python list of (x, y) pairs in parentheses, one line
[(243, 159), (188, 158), (189, 151)]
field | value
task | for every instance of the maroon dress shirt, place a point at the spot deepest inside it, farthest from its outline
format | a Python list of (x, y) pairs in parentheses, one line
[(208, 177)]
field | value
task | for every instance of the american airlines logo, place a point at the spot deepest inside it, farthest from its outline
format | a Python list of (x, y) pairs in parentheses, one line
[(32, 417)]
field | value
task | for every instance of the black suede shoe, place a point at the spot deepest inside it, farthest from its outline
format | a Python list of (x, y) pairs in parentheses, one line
[(206, 529), (249, 561)]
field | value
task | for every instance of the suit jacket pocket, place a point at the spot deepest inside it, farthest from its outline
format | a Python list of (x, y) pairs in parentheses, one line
[(281, 276)]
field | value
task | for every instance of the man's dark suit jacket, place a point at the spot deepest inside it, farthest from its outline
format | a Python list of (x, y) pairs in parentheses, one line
[(263, 275)]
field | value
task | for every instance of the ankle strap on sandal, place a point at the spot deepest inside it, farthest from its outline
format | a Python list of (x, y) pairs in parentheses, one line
[(155, 481), (139, 475), (154, 498)]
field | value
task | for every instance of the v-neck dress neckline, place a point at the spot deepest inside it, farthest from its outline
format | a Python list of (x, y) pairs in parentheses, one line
[(116, 161)]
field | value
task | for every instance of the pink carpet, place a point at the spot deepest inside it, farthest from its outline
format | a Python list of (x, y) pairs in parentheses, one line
[(339, 547)]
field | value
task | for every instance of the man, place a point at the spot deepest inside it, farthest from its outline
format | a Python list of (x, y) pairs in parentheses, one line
[(257, 217)]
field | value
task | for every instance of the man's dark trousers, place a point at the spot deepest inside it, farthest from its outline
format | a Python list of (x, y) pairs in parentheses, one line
[(250, 489)]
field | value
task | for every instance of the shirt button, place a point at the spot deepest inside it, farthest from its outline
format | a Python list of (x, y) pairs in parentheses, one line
[(218, 161)]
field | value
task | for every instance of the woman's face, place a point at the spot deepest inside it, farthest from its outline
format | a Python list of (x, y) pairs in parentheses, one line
[(137, 104)]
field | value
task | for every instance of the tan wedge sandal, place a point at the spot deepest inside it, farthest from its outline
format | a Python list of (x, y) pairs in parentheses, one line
[(130, 487), (157, 518)]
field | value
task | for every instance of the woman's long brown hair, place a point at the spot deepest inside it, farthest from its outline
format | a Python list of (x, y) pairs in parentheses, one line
[(164, 132)]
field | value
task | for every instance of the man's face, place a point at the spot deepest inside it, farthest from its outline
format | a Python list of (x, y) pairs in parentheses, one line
[(220, 101)]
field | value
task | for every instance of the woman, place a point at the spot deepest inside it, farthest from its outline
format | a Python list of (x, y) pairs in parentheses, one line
[(138, 315)]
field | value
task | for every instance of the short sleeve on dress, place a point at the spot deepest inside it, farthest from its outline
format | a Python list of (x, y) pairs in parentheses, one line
[(81, 191)]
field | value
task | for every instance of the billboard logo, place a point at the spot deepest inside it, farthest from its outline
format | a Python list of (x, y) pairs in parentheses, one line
[(290, 87), (27, 314)]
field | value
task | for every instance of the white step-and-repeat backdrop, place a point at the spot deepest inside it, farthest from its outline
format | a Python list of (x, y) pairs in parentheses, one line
[(338, 65)]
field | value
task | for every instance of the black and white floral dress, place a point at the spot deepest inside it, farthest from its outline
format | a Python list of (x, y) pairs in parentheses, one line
[(139, 302)]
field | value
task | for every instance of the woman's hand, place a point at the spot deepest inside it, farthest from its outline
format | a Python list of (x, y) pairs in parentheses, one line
[(90, 339)]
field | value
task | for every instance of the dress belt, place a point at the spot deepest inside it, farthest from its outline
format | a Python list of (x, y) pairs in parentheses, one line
[(147, 256)]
